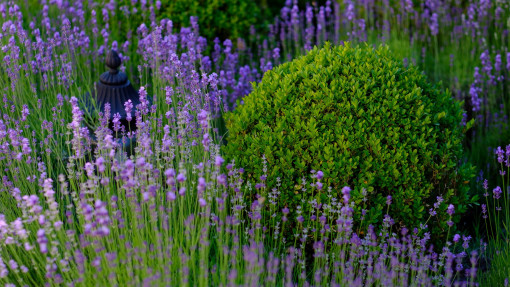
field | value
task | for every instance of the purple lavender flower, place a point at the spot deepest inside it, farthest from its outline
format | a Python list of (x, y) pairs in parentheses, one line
[(128, 107), (349, 11), (201, 185), (487, 66), (170, 173), (497, 192), (171, 196), (434, 26), (100, 164), (219, 161), (466, 240), (438, 202), (181, 177), (144, 102), (451, 209), (24, 113), (3, 269), (309, 31), (276, 54), (41, 239), (501, 154), (116, 122), (475, 100), (497, 63), (507, 151), (169, 92), (202, 119), (89, 168), (346, 191)]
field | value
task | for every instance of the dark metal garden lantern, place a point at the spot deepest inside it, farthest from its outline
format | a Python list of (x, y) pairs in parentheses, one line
[(114, 87)]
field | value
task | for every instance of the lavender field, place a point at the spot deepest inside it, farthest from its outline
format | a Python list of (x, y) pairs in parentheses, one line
[(199, 180)]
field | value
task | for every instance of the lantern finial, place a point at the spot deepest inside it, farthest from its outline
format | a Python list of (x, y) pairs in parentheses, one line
[(113, 61)]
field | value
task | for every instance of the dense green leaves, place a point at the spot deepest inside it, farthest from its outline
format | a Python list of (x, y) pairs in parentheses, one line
[(365, 121), (216, 18)]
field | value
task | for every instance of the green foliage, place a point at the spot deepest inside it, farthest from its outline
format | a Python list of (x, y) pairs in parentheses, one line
[(366, 122), (499, 266), (216, 18)]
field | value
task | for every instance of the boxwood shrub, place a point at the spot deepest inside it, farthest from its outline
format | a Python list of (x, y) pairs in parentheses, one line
[(216, 18), (367, 122)]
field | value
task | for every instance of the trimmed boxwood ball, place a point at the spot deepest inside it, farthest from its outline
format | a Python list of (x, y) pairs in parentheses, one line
[(367, 122)]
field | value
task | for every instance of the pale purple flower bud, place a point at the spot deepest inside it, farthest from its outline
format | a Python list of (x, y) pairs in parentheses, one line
[(500, 153), (116, 122), (170, 173), (105, 181), (128, 107), (206, 141), (346, 191), (388, 199), (181, 177), (497, 63), (14, 265), (100, 164), (89, 168), (41, 219), (222, 179), (201, 185), (484, 211), (169, 92), (434, 26), (202, 202), (466, 240), (219, 161), (41, 239), (3, 269), (24, 113), (451, 209), (497, 192)]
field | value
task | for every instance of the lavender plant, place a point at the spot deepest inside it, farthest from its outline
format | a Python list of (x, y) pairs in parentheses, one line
[(495, 215)]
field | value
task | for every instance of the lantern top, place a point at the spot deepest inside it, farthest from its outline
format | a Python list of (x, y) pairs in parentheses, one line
[(114, 88)]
